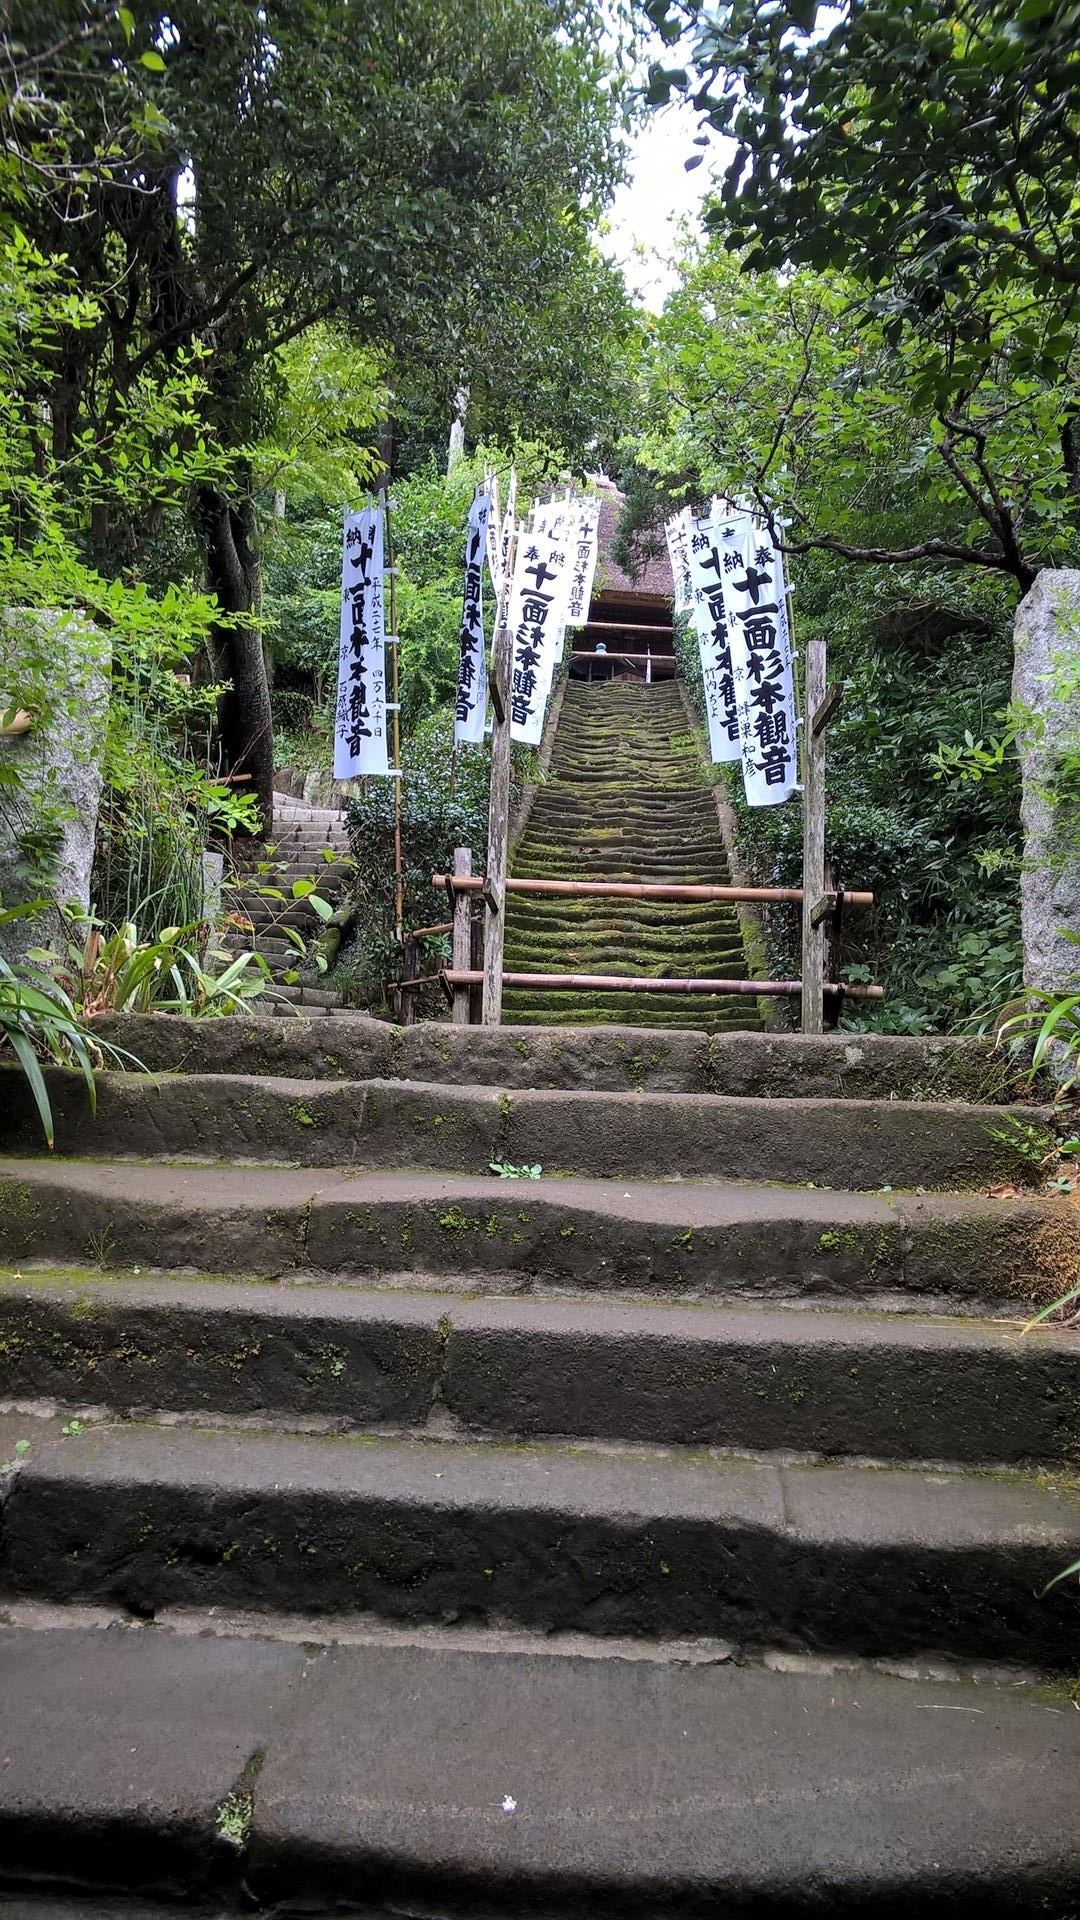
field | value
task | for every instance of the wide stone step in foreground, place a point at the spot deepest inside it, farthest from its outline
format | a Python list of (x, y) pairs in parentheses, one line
[(672, 1534)]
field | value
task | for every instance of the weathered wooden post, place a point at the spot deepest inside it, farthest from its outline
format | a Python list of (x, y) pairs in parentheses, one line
[(462, 936), (818, 906), (476, 961), (410, 971)]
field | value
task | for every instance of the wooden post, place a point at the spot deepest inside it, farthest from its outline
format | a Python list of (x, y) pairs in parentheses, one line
[(498, 807), (813, 933), (410, 970), (476, 933), (459, 1012), (834, 1002)]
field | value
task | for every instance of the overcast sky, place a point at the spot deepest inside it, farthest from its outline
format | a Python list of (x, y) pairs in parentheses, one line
[(647, 214)]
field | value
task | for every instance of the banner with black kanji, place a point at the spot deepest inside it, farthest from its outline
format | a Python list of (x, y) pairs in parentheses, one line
[(705, 555), (762, 660), (360, 744), (536, 620), (471, 702)]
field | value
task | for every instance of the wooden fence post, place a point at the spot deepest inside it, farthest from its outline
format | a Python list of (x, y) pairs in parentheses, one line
[(813, 933), (410, 970), (462, 936), (476, 962)]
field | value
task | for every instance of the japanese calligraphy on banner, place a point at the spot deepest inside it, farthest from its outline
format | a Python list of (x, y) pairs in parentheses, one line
[(707, 553), (499, 536), (677, 532), (360, 714), (536, 622), (583, 548), (471, 702), (762, 661)]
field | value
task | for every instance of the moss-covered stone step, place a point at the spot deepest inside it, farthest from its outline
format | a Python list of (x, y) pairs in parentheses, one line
[(356, 1047), (652, 950), (828, 1381), (624, 912), (531, 1007), (624, 800), (671, 1238), (860, 1559), (860, 1144), (859, 1792)]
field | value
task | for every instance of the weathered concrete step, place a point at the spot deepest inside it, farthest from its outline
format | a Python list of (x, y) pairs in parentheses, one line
[(305, 996), (862, 1144), (330, 875), (271, 946), (694, 1238), (868, 1560), (832, 1066), (276, 913), (824, 1381), (783, 1794)]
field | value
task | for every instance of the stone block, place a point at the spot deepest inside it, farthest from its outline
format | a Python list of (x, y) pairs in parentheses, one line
[(51, 822), (1047, 651)]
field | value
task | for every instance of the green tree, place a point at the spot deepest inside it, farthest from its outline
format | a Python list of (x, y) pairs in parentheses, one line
[(781, 388), (927, 154), (288, 166)]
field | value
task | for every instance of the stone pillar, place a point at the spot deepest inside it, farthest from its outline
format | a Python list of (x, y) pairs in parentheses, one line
[(48, 815), (1047, 655)]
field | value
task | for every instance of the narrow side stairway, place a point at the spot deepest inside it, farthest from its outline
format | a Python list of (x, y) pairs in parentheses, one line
[(625, 799), (309, 844)]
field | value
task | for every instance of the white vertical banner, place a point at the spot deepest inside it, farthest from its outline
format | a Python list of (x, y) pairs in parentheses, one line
[(584, 548), (555, 521), (360, 745), (706, 557), (471, 703), (499, 540), (536, 621), (677, 532), (762, 661)]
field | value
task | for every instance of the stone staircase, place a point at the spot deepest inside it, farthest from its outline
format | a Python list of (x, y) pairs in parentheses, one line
[(303, 836), (665, 1536), (624, 800)]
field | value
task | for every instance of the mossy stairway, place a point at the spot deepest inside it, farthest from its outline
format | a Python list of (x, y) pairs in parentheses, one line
[(625, 799), (670, 1536)]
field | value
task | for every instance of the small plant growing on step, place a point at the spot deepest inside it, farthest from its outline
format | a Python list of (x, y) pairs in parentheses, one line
[(1033, 1145), (506, 1170), (20, 1448)]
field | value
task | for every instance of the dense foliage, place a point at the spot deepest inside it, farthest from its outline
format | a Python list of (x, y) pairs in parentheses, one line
[(224, 179)]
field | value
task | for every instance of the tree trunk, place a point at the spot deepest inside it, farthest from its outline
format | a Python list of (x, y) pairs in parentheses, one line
[(232, 571)]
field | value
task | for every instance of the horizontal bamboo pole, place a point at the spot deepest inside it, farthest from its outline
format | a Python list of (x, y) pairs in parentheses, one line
[(621, 983), (619, 653), (643, 890), (625, 626), (428, 933)]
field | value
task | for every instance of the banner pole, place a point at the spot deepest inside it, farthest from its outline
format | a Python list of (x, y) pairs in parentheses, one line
[(395, 732), (813, 771), (498, 805)]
